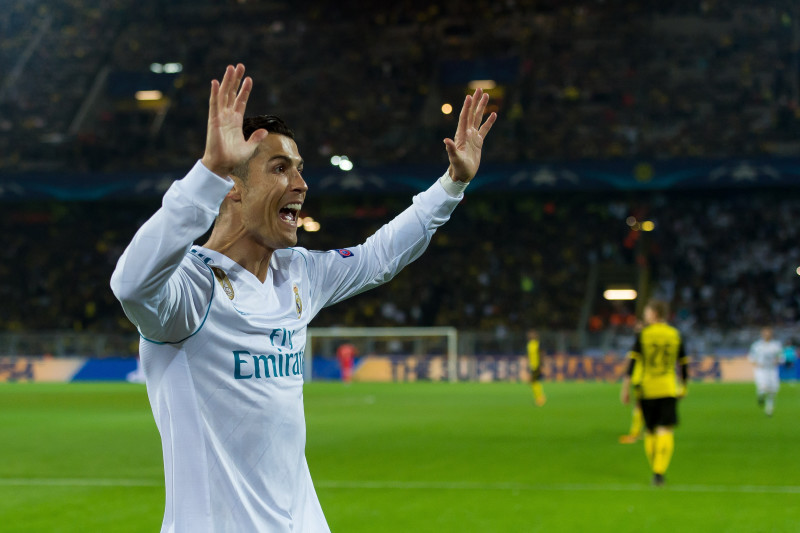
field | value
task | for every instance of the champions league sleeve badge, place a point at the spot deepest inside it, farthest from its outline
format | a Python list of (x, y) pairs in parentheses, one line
[(298, 303), (225, 281), (344, 252)]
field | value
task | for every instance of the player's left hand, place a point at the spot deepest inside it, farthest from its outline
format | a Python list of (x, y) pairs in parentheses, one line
[(683, 391), (464, 150)]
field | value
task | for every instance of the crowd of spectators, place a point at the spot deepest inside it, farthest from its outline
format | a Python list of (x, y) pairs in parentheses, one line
[(730, 260), (50, 55), (576, 78), (724, 261)]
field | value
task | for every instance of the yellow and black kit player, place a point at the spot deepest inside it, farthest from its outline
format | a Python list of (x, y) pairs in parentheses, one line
[(658, 350), (534, 360)]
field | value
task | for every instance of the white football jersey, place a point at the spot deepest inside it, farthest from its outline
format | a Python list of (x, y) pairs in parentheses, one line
[(223, 354), (766, 353)]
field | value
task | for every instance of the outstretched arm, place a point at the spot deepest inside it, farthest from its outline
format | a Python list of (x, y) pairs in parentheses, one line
[(167, 302), (464, 150), (340, 274)]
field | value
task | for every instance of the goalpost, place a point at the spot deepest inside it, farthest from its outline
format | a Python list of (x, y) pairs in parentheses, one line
[(385, 334)]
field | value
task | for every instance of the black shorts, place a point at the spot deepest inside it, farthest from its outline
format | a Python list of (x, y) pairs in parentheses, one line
[(660, 412), (536, 374)]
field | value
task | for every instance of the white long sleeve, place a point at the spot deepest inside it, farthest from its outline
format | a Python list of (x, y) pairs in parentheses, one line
[(224, 366), (160, 299), (339, 274)]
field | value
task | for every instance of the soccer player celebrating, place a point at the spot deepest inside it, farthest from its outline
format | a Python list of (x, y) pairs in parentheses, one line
[(223, 325), (766, 354), (535, 363), (658, 349)]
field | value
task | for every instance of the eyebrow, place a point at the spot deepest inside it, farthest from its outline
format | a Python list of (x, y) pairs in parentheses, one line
[(286, 158)]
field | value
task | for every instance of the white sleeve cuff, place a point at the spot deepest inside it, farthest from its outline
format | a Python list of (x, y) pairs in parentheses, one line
[(453, 188), (203, 188)]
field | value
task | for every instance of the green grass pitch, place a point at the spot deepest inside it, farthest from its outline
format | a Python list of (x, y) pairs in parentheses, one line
[(425, 457)]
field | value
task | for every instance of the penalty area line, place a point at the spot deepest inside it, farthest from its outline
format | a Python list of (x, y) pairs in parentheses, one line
[(557, 487)]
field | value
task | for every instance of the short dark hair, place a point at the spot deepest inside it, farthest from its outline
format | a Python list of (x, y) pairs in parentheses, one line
[(272, 124)]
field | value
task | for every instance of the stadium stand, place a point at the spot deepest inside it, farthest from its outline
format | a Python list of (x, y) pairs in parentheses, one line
[(576, 81), (491, 267)]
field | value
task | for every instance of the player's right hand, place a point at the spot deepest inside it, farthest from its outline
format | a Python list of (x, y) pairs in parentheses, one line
[(683, 391), (625, 395), (225, 144)]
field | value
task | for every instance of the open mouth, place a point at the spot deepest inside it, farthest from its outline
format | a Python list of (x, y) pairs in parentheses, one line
[(288, 213)]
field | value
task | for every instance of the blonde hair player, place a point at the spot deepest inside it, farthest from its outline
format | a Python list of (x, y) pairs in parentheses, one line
[(658, 349)]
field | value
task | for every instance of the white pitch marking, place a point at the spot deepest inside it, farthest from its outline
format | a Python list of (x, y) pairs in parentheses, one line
[(79, 482), (437, 485), (564, 487)]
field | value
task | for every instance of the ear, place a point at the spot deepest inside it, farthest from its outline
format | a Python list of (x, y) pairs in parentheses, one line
[(235, 194), (233, 197)]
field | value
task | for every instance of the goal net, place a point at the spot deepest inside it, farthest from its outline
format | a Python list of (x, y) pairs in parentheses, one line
[(433, 351)]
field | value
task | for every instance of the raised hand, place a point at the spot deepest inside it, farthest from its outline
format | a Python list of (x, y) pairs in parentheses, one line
[(225, 144), (464, 151)]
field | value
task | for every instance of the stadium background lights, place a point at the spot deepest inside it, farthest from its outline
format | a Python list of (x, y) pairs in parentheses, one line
[(166, 68), (635, 225), (308, 224), (447, 109), (620, 294), (148, 95), (798, 271), (342, 161), (486, 85)]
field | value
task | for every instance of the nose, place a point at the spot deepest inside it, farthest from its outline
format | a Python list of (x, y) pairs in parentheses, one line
[(298, 183)]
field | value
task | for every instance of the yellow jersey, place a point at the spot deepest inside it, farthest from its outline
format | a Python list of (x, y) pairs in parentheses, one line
[(657, 351), (533, 354)]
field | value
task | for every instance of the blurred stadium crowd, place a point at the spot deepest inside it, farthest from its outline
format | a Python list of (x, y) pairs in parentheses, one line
[(726, 261), (575, 80)]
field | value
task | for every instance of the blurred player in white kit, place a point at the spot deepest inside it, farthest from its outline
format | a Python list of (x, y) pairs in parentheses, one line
[(766, 354), (223, 325)]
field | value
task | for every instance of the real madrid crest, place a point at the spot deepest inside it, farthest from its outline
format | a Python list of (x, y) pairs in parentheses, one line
[(224, 280), (298, 303)]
